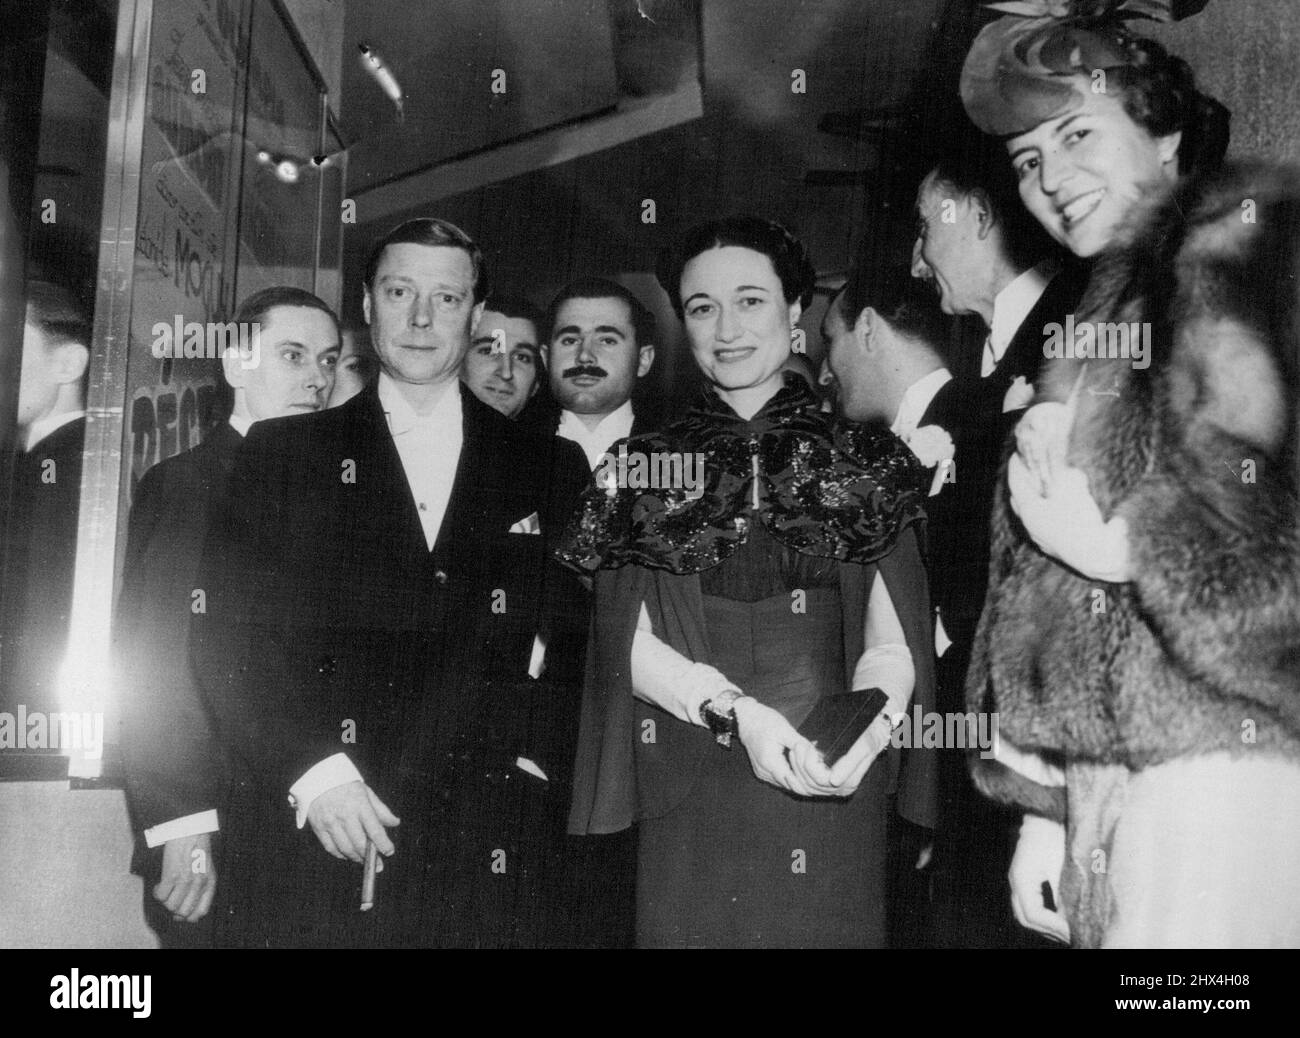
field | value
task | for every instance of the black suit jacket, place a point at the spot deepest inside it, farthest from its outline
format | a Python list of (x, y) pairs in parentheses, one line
[(40, 557), (957, 527), (1024, 355), (172, 761), (332, 627)]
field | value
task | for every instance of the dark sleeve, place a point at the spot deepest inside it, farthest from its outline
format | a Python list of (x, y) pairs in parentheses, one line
[(247, 648), (904, 576), (172, 763)]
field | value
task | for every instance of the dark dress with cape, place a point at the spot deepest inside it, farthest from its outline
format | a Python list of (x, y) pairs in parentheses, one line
[(763, 573)]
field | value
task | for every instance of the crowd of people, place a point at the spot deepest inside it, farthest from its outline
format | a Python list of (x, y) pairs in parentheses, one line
[(423, 653)]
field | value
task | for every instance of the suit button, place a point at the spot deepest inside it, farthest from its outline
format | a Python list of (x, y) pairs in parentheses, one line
[(327, 666), (440, 576)]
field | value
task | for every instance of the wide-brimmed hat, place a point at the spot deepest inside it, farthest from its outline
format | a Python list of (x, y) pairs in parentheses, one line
[(1023, 69)]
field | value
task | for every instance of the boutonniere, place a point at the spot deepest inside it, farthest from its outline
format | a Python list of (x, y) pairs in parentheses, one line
[(935, 449), (1019, 395)]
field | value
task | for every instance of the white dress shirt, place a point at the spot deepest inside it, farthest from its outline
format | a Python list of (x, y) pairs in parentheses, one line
[(595, 442), (1010, 308), (429, 446), (916, 399), (42, 427)]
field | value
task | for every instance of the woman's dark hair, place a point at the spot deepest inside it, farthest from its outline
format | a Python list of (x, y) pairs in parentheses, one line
[(1160, 95), (788, 255)]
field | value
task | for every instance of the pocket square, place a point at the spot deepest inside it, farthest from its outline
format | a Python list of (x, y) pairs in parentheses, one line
[(531, 524)]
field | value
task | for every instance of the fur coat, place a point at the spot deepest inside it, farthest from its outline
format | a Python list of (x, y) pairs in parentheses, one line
[(1200, 651)]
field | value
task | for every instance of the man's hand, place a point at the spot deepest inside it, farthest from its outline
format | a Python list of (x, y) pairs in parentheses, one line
[(1039, 858), (344, 817), (189, 877)]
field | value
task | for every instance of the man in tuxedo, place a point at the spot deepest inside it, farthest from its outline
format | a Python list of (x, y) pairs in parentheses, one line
[(600, 339), (41, 546), (380, 599), (174, 774), (983, 254), (505, 355)]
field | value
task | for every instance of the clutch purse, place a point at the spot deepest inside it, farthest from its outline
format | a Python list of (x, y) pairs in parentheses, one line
[(837, 721)]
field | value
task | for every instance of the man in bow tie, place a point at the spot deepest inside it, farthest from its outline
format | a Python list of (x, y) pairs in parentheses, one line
[(600, 340), (380, 605)]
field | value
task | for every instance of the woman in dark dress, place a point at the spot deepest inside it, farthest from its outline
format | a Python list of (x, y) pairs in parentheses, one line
[(783, 568)]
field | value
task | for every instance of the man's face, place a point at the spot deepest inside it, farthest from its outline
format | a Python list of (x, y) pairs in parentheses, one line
[(38, 384), (594, 358), (501, 366), (420, 310), (948, 251), (850, 368), (299, 348)]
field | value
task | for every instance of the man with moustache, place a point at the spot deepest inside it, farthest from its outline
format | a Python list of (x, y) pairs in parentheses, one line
[(174, 772), (501, 367), (379, 596), (985, 255), (600, 338)]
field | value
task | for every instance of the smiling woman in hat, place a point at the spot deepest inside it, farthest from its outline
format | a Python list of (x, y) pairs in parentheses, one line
[(1143, 619)]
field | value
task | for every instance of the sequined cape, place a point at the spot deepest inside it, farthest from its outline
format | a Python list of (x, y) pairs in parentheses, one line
[(841, 491), (820, 485)]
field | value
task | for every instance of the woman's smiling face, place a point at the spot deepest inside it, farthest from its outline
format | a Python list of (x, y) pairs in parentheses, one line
[(736, 317), (1081, 175)]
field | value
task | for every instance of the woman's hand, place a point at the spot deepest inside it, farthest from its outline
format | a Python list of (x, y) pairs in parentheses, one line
[(1067, 524), (767, 736), (849, 771), (1039, 859), (1042, 436)]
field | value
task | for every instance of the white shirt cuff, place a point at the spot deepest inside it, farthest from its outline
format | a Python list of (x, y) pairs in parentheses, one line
[(191, 825), (332, 771)]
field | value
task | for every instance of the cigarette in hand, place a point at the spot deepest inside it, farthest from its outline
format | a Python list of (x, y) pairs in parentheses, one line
[(368, 876)]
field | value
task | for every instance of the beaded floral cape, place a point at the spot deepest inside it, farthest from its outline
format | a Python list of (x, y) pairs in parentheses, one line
[(820, 485)]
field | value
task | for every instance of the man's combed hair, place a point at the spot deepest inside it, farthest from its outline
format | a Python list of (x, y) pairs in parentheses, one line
[(517, 308), (978, 166), (900, 299), (58, 314), (789, 257), (254, 309), (431, 231), (643, 321)]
